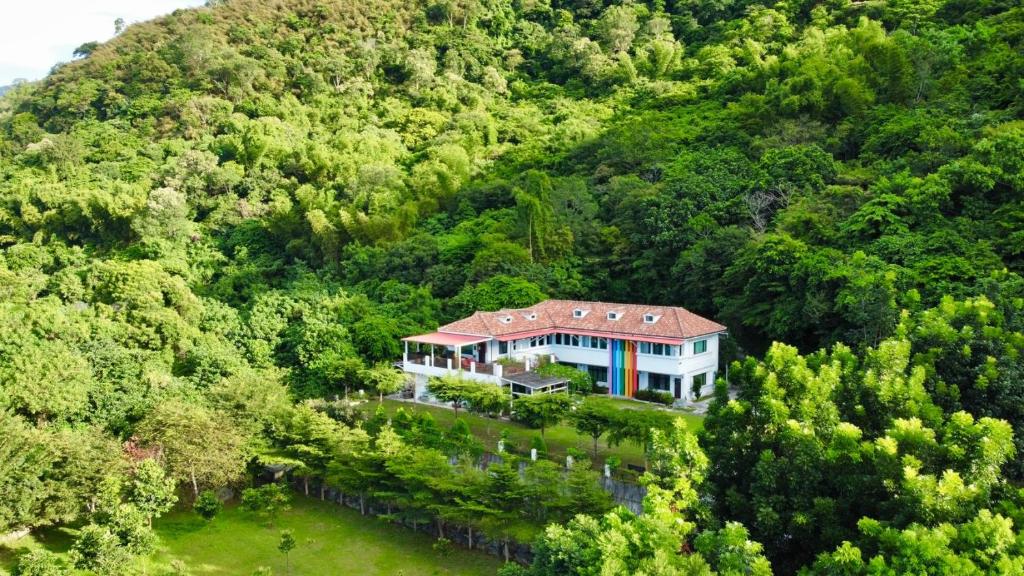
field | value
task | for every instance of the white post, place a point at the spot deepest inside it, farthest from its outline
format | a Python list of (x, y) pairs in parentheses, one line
[(449, 364), (551, 357), (533, 454), (497, 371), (568, 462), (526, 361), (472, 367), (405, 354), (431, 355), (607, 471), (501, 446)]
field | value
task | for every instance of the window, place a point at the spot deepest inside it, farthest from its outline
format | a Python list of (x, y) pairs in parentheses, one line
[(530, 315), (599, 343), (579, 313), (574, 340), (585, 341), (614, 315), (598, 373), (659, 382), (502, 347), (700, 346), (699, 380), (658, 349), (645, 347), (650, 318), (542, 340), (504, 319)]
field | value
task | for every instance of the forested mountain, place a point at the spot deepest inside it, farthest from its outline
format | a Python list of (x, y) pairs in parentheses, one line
[(236, 206)]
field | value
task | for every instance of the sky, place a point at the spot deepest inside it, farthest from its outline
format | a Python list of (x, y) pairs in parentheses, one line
[(36, 34)]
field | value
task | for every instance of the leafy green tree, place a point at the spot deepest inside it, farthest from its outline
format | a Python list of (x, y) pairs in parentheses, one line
[(285, 545), (199, 446), (384, 379), (541, 410), (593, 418), (268, 501), (151, 491)]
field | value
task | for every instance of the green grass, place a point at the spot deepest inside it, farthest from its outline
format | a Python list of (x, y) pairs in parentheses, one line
[(331, 540), (558, 438)]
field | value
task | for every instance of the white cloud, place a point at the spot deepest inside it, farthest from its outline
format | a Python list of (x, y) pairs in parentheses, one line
[(36, 34)]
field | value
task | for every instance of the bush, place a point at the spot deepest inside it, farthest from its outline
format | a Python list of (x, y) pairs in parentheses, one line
[(579, 381), (541, 446), (207, 505), (598, 389), (443, 546), (40, 562), (267, 500), (654, 396)]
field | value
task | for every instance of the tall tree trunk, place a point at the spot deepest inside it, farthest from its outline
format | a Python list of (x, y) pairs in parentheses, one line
[(305, 484), (362, 505), (440, 527), (195, 485), (470, 537), (504, 549)]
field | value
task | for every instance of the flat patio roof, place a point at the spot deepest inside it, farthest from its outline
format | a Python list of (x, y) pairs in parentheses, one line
[(533, 380), (447, 339)]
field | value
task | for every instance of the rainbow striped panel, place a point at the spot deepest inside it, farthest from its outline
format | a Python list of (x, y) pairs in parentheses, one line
[(622, 368)]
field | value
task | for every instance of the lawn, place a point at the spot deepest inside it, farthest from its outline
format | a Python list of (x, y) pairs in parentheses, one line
[(557, 438), (331, 540)]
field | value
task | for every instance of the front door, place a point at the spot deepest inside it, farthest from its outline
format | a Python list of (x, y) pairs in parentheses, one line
[(679, 387), (481, 353)]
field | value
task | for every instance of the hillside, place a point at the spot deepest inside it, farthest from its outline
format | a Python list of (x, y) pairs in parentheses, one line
[(237, 206)]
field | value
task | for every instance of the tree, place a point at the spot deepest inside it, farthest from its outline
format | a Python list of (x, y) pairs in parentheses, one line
[(541, 410), (384, 379), (208, 505), (285, 545), (151, 490), (199, 445), (267, 501), (593, 418), (99, 550), (454, 389)]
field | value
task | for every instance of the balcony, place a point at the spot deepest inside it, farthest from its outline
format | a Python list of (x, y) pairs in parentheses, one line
[(464, 367)]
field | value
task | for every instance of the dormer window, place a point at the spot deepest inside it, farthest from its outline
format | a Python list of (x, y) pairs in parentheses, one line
[(504, 319), (614, 315), (650, 318), (579, 313), (530, 315)]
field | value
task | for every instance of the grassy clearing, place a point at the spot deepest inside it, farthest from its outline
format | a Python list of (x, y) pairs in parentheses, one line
[(331, 540), (558, 438)]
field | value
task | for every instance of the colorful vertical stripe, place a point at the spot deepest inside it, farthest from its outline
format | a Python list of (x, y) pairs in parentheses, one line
[(622, 373)]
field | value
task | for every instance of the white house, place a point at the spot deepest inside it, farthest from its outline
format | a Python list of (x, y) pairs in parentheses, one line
[(626, 347)]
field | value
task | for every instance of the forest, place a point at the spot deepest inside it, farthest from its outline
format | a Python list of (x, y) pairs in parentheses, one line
[(220, 221)]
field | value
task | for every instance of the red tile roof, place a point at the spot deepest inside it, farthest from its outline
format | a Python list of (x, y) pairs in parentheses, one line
[(557, 315)]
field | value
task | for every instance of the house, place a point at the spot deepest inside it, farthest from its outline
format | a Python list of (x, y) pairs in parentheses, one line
[(626, 347)]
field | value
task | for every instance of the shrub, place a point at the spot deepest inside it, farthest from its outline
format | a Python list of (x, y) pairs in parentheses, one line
[(208, 505), (40, 562), (579, 381), (443, 546), (655, 396)]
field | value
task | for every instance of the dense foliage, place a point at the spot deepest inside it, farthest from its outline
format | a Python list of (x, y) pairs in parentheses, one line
[(230, 209)]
